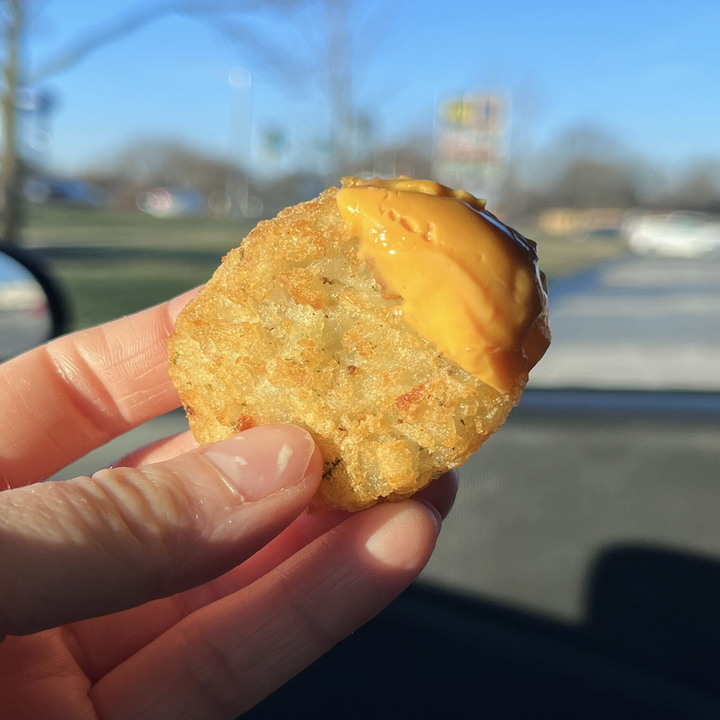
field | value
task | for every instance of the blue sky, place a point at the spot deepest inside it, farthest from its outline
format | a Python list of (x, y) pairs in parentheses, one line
[(648, 72)]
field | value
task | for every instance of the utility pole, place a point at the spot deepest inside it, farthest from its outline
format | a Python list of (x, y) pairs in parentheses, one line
[(11, 170), (339, 84), (237, 188)]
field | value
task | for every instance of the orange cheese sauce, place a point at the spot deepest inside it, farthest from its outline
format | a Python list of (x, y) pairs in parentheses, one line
[(468, 283)]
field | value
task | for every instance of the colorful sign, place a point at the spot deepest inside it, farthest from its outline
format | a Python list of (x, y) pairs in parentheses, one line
[(470, 146)]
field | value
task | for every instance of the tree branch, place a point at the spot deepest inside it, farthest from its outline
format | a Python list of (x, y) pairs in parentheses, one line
[(283, 65), (132, 21)]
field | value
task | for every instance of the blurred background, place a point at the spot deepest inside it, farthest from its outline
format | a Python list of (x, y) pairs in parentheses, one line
[(142, 140)]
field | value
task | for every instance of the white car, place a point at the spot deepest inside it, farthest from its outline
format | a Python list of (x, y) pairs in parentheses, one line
[(679, 234)]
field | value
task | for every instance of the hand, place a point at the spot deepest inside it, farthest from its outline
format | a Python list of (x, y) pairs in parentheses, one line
[(187, 582)]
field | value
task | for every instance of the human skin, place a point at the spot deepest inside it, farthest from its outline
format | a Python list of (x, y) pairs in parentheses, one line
[(184, 581)]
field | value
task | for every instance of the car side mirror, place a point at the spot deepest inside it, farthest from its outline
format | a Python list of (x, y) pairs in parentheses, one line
[(32, 305)]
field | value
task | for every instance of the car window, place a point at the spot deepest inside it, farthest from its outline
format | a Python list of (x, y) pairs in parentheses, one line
[(144, 143)]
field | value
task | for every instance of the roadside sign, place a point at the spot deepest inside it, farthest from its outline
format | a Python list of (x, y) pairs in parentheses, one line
[(470, 143)]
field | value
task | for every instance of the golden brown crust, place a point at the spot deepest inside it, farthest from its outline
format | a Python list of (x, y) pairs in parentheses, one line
[(293, 328)]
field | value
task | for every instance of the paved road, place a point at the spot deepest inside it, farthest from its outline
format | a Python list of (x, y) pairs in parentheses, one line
[(636, 323)]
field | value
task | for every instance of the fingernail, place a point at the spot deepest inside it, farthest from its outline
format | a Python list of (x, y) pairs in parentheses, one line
[(399, 541), (441, 493), (263, 460), (435, 511)]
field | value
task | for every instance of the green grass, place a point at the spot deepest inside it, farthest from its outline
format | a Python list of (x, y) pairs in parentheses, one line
[(115, 263), (108, 228), (101, 293)]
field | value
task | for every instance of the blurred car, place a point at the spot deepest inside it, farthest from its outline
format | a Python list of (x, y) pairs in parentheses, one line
[(679, 234), (79, 193), (580, 225), (171, 202)]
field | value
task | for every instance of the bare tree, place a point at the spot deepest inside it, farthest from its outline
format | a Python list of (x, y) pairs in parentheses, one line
[(699, 188), (170, 163), (327, 58), (587, 167), (15, 72)]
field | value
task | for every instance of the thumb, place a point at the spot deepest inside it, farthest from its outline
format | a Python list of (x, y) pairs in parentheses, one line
[(95, 545)]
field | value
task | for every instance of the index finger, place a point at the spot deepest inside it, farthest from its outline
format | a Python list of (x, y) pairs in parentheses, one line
[(78, 392)]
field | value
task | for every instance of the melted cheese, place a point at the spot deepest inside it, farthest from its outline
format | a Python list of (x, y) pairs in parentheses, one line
[(468, 283)]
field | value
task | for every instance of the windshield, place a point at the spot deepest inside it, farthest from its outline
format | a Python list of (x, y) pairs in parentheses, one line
[(150, 147), (143, 141)]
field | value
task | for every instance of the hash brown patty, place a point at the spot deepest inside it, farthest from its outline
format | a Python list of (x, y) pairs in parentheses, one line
[(294, 328)]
